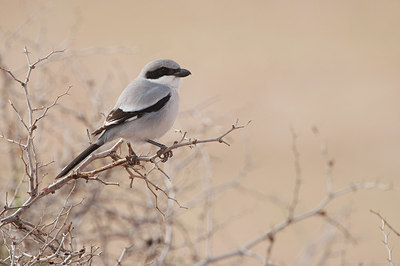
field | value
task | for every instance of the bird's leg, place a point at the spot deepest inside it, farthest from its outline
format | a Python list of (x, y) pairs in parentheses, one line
[(132, 157), (162, 154)]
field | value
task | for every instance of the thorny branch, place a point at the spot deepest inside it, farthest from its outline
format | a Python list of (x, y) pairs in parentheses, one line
[(91, 175), (31, 126), (46, 238)]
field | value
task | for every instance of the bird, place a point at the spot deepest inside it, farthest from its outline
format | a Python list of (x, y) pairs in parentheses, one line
[(145, 110)]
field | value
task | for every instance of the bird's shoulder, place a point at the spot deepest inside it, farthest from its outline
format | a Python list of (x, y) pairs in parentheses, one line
[(139, 97), (141, 94)]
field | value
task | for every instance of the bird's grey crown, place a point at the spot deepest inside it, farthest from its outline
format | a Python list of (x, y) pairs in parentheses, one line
[(159, 67), (168, 63)]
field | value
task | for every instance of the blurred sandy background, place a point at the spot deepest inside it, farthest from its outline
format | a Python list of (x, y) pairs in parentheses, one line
[(330, 64)]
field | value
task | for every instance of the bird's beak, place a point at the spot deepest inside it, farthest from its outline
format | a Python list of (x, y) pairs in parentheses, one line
[(182, 73)]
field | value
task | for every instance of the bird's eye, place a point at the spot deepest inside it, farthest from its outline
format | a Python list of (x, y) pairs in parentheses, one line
[(159, 72)]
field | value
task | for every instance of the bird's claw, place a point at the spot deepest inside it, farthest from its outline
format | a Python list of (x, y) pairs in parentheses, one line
[(132, 159), (164, 155)]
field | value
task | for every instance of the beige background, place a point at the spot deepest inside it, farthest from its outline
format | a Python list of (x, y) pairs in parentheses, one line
[(330, 64)]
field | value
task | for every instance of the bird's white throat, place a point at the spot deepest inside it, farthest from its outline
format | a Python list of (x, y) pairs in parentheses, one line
[(170, 81)]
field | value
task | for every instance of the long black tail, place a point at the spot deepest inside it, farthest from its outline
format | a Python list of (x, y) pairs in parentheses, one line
[(78, 159)]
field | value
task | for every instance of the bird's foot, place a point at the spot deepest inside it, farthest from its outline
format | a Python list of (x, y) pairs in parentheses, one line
[(132, 160), (163, 154), (132, 157)]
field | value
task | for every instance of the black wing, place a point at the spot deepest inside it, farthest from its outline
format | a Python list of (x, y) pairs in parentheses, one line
[(118, 116)]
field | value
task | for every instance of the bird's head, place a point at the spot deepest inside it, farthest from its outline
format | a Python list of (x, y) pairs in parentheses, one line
[(164, 71)]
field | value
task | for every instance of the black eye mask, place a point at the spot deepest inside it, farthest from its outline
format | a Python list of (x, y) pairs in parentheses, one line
[(160, 72)]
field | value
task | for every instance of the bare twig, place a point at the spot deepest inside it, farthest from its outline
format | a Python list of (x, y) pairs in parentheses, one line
[(121, 257), (46, 109), (13, 141), (19, 116), (386, 235), (12, 75), (386, 243), (386, 223), (316, 211), (329, 163), (297, 168)]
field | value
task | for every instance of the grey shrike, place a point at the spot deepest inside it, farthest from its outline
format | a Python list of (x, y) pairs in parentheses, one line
[(145, 110)]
